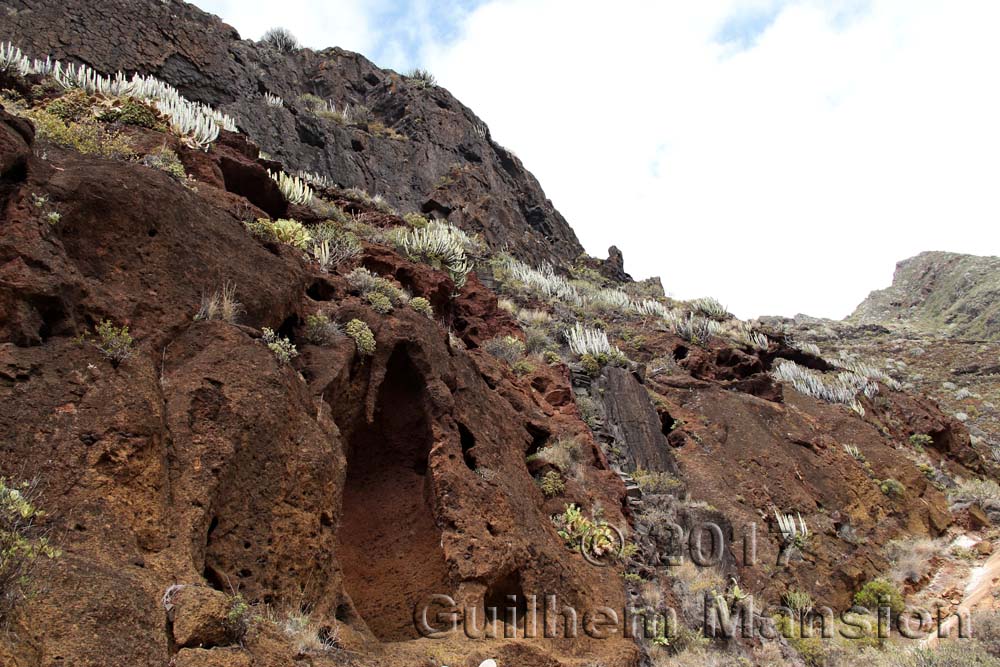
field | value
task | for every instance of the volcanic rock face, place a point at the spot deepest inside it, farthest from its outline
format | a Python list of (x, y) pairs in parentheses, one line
[(214, 502), (934, 330), (421, 149), (352, 487), (941, 293)]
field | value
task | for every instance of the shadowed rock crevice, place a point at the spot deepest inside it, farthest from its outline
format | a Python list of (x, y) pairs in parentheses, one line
[(389, 544), (506, 599)]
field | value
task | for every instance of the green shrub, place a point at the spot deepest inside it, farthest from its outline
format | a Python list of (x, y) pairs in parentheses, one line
[(552, 484), (279, 345), (313, 103), (591, 366), (654, 482), (892, 488), (632, 578), (523, 367), (363, 337), (115, 343), (23, 541), (367, 283), (590, 410), (377, 201), (72, 107), (86, 136), (415, 220), (321, 330), (238, 616), (506, 348), (291, 232), (166, 160), (551, 357), (380, 303), (422, 306), (577, 530), (880, 593), (921, 440), (132, 112)]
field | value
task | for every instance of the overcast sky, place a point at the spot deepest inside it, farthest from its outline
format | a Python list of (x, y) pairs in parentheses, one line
[(781, 156)]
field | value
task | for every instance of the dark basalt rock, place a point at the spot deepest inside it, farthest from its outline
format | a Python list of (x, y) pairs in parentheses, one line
[(423, 150), (633, 421)]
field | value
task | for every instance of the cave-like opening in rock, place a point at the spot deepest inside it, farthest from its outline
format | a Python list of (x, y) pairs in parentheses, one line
[(390, 547)]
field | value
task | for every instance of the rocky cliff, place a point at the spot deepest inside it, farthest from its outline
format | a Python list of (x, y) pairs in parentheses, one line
[(267, 428), (411, 143), (939, 293)]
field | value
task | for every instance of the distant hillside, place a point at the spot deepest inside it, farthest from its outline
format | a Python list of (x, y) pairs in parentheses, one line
[(939, 292)]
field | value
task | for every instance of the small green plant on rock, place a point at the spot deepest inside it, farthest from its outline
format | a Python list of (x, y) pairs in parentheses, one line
[(415, 220), (380, 303), (523, 367), (321, 330), (239, 616), (422, 306), (506, 348), (591, 366), (22, 542), (115, 343), (577, 530), (282, 348), (166, 160), (367, 283), (651, 481), (919, 441), (131, 112), (880, 593), (290, 232), (892, 488), (86, 136), (552, 484), (72, 107), (363, 337)]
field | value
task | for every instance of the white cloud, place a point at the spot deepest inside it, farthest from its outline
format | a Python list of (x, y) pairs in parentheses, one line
[(788, 176)]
